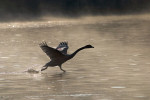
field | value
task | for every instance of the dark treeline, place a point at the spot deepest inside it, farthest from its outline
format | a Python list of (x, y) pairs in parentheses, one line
[(71, 7)]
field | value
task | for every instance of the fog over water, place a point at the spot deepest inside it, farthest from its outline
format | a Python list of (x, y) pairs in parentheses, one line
[(35, 9), (116, 69)]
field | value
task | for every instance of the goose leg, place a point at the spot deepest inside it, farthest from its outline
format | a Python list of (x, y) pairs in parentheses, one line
[(61, 68), (44, 68)]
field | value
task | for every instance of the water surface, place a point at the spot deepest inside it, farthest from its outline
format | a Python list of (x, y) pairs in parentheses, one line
[(116, 69)]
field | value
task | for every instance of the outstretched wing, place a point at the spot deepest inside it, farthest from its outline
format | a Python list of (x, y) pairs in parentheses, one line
[(51, 52), (63, 47)]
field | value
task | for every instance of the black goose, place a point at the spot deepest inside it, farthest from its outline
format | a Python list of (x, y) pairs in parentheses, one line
[(59, 55)]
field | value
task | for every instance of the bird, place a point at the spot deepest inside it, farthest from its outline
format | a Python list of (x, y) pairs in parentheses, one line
[(59, 55)]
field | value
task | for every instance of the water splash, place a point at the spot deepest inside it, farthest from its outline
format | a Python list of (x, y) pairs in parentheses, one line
[(30, 70)]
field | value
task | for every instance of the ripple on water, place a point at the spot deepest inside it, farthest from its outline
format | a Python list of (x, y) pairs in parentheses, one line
[(63, 95), (2, 66), (16, 65), (133, 64), (4, 57), (34, 57), (61, 80), (135, 55), (118, 87), (18, 35), (1, 79), (104, 79), (81, 77), (80, 95), (148, 63), (12, 55), (140, 96)]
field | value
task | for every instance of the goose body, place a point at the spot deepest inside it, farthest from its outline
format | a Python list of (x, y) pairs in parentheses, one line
[(59, 55)]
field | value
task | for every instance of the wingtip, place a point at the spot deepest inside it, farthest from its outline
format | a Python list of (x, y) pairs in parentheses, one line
[(43, 43), (63, 43)]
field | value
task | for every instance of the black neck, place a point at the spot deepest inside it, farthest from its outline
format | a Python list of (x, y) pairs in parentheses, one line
[(73, 54)]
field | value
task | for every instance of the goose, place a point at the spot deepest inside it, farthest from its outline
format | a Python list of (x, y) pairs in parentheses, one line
[(59, 55)]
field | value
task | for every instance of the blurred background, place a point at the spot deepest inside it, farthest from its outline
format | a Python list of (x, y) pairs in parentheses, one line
[(22, 9)]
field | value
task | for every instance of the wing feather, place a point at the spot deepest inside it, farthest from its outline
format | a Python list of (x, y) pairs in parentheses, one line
[(51, 52), (63, 47)]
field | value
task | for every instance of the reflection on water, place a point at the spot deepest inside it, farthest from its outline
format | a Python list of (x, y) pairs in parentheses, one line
[(117, 68)]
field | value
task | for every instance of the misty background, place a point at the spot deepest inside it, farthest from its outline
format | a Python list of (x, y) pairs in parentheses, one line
[(117, 68), (22, 9)]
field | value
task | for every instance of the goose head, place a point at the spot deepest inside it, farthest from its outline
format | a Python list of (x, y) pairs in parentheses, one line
[(89, 46)]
